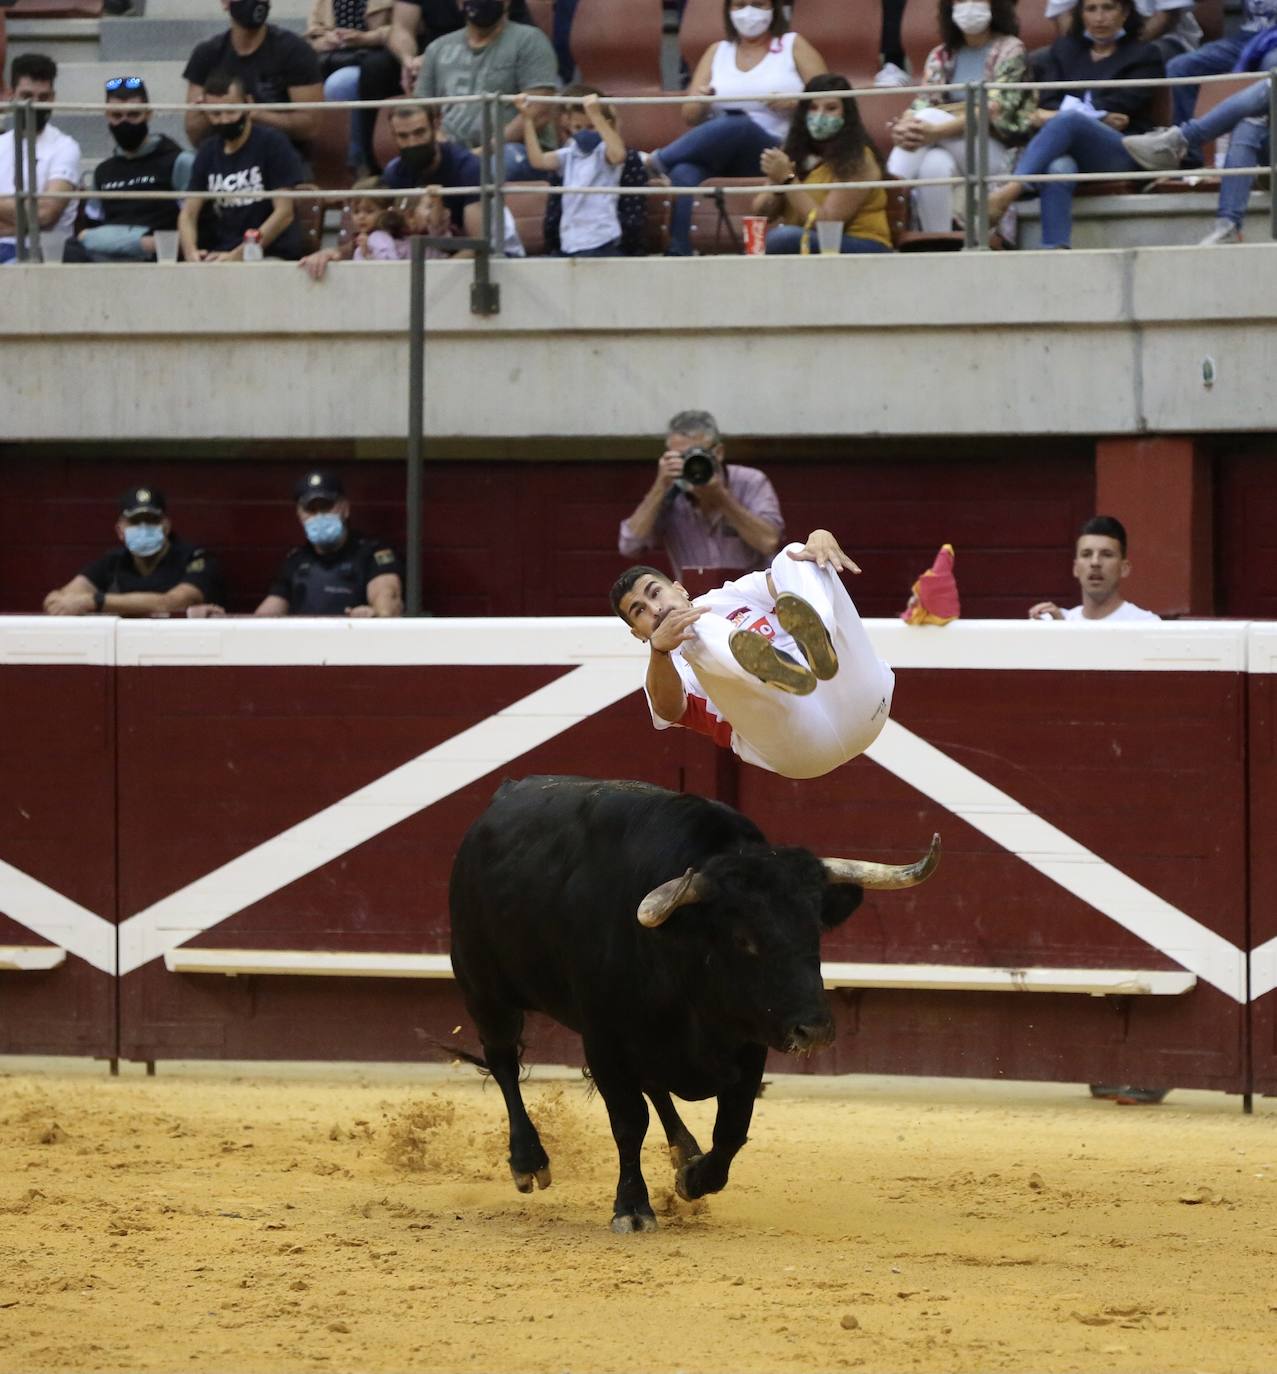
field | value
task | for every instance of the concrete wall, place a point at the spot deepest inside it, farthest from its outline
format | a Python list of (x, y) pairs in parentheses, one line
[(1058, 343)]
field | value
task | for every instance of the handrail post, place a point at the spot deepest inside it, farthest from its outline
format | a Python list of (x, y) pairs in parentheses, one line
[(498, 169), (982, 225), (416, 418), (19, 113), (485, 297), (1272, 152), (35, 247), (970, 132)]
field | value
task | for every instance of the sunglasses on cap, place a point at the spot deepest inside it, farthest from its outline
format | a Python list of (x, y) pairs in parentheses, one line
[(124, 83)]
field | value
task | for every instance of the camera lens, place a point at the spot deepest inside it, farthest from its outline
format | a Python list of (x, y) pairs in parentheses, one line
[(698, 466)]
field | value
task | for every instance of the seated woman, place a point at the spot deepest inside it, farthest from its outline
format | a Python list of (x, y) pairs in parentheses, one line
[(345, 33), (760, 57), (1085, 133), (827, 142), (979, 42)]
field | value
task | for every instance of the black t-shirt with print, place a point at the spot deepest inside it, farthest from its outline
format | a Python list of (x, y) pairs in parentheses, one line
[(244, 179), (150, 170), (329, 583), (116, 572)]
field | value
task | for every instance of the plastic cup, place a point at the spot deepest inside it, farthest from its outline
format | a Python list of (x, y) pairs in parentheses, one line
[(165, 245), (829, 235), (755, 230)]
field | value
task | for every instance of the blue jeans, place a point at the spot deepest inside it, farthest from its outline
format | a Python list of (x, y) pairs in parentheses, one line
[(1245, 116), (1209, 60), (343, 84), (729, 146), (788, 238), (8, 253), (1093, 146), (604, 250)]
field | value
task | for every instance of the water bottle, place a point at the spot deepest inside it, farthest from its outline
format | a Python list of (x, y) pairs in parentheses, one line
[(252, 245)]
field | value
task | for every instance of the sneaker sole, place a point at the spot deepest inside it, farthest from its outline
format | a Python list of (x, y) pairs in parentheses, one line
[(800, 619), (760, 659)]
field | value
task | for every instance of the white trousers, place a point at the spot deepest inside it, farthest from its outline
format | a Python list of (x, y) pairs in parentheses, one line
[(948, 158), (807, 736)]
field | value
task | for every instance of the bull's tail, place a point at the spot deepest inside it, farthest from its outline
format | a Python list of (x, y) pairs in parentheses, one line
[(456, 1052)]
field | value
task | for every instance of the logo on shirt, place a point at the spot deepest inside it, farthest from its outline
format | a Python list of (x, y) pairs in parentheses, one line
[(231, 186)]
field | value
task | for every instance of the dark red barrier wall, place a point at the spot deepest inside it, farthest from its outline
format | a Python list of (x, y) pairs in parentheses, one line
[(1262, 752)]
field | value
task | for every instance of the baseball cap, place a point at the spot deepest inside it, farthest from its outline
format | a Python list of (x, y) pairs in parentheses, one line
[(319, 485), (139, 499)]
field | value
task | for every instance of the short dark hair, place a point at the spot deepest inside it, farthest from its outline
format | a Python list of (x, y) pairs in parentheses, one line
[(579, 88), (692, 424), (779, 23), (1107, 527), (625, 584), (1133, 24), (34, 65), (407, 111), (1003, 20), (221, 82)]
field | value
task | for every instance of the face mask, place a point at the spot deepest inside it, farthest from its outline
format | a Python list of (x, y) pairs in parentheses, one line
[(250, 14), (1091, 38), (823, 126), (130, 137), (323, 531), (144, 540), (587, 140), (419, 158), (751, 21), (972, 16), (484, 14), (228, 133)]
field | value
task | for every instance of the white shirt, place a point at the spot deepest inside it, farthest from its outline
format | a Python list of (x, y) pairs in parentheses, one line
[(57, 158), (776, 74), (1126, 611), (587, 221)]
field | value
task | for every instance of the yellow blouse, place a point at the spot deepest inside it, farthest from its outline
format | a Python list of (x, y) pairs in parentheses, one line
[(869, 222)]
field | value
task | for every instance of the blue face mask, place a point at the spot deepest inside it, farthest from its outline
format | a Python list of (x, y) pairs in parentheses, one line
[(144, 540), (1091, 38), (587, 140), (823, 126), (325, 530)]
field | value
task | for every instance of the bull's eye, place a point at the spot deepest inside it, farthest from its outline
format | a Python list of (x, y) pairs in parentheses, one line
[(744, 943)]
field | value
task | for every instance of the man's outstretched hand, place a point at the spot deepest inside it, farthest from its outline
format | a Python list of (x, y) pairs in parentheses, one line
[(824, 550), (676, 629)]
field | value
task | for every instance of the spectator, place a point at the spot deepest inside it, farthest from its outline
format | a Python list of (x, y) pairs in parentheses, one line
[(378, 227), (1244, 116), (891, 46), (57, 156), (593, 155), (827, 142), (243, 163), (1104, 44), (723, 516), (979, 41), (344, 35), (1223, 55), (274, 67), (154, 574), (1100, 566), (775, 665), (759, 57), (492, 55), (124, 230), (1169, 25), (338, 570)]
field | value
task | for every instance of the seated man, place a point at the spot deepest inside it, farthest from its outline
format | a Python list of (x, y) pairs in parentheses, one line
[(1100, 566), (243, 162), (731, 664), (154, 574), (124, 230), (57, 157)]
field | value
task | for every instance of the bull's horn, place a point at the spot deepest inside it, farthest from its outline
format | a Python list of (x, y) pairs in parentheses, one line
[(884, 877), (661, 903)]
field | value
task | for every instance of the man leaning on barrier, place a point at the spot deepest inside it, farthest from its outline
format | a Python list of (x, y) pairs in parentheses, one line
[(1101, 566), (57, 156)]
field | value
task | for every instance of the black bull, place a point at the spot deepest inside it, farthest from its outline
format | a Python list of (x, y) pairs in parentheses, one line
[(669, 934)]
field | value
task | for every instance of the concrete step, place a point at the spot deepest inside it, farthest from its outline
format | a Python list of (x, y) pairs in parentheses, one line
[(1142, 221), (64, 40), (163, 37)]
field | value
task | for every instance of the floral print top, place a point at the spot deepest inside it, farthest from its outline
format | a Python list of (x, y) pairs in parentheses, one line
[(1004, 60)]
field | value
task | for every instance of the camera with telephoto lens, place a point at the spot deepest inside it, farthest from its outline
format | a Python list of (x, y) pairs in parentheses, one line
[(698, 468)]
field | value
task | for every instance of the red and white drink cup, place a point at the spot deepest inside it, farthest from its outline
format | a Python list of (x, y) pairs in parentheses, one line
[(755, 228)]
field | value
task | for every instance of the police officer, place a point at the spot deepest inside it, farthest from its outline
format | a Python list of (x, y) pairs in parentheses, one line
[(153, 573), (338, 570)]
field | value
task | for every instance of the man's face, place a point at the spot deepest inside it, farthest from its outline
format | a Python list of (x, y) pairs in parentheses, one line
[(214, 106), (414, 130), (1099, 566), (321, 505), (28, 88), (649, 601), (126, 109)]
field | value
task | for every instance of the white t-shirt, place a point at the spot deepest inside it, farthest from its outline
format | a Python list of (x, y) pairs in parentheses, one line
[(776, 74), (749, 605), (1126, 611), (57, 158), (588, 221)]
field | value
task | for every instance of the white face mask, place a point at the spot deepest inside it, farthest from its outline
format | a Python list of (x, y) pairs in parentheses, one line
[(752, 21), (972, 16)]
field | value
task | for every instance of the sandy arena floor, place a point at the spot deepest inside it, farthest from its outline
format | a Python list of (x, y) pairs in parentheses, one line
[(216, 1220)]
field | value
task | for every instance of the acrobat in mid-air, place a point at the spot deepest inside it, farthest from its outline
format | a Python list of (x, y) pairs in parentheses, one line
[(776, 666)]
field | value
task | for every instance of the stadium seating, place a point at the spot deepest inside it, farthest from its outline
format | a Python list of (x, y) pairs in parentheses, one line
[(56, 9), (618, 47)]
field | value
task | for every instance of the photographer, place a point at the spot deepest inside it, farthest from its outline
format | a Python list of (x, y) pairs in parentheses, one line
[(708, 513)]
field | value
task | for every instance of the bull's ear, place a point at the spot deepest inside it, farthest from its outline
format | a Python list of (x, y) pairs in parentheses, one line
[(661, 903), (838, 901)]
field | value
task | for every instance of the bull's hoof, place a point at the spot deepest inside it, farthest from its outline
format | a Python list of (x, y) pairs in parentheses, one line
[(625, 1223), (681, 1155), (696, 1178), (523, 1181)]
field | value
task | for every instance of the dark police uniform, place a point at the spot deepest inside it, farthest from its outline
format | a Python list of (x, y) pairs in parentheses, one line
[(116, 572), (330, 583)]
